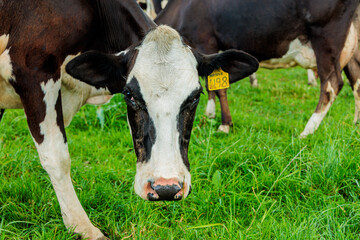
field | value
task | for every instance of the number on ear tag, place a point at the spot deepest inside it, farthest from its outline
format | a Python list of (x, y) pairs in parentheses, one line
[(218, 79)]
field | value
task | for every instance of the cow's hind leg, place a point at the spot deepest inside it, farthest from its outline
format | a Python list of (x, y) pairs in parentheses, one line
[(42, 106), (327, 50), (352, 71), (311, 78), (253, 80)]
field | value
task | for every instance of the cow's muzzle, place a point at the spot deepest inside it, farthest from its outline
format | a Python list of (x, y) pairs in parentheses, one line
[(165, 190)]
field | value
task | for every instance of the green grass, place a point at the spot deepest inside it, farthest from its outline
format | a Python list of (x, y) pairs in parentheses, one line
[(259, 182)]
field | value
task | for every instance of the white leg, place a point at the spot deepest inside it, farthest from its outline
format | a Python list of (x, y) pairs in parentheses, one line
[(210, 109), (317, 118), (55, 159), (311, 78), (253, 80)]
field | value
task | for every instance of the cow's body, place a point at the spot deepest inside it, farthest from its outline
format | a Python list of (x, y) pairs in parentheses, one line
[(41, 34), (265, 29), (35, 39)]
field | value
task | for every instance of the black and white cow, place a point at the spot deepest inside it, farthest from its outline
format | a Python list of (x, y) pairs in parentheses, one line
[(265, 29), (158, 76)]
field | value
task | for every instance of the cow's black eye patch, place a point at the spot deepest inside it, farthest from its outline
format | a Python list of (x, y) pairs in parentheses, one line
[(196, 99), (192, 100), (133, 96), (129, 97)]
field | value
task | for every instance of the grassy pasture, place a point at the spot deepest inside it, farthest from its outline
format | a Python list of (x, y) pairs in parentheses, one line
[(259, 182)]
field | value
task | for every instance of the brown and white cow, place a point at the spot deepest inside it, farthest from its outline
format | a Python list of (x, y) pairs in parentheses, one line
[(158, 76), (265, 29)]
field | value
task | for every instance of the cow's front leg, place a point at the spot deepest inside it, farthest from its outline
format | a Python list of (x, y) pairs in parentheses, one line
[(211, 106), (226, 120), (42, 105), (253, 80)]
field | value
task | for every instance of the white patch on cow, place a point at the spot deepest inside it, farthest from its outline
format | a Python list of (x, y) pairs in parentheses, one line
[(55, 159), (210, 109), (167, 74), (6, 71), (8, 97), (317, 118), (75, 94), (357, 101), (311, 77), (122, 52), (350, 46)]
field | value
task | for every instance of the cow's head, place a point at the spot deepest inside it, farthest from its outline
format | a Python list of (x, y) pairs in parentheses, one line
[(160, 82)]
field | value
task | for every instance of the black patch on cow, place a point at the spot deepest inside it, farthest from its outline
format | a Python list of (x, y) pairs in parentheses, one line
[(185, 121), (59, 116), (142, 126)]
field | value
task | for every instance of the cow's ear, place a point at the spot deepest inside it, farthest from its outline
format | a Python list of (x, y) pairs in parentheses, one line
[(100, 70), (237, 63)]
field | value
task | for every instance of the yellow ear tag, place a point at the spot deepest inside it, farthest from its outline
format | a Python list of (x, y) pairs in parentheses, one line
[(218, 79)]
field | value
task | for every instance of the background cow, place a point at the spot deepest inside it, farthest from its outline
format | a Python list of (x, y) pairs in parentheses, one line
[(35, 40), (265, 29), (152, 7), (298, 55)]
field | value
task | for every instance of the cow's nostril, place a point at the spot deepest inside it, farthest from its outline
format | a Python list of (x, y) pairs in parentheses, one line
[(166, 192), (152, 197)]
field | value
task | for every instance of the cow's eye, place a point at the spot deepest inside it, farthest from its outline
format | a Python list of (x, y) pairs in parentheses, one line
[(129, 97), (196, 99)]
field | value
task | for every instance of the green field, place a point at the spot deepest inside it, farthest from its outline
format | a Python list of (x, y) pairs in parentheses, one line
[(259, 182)]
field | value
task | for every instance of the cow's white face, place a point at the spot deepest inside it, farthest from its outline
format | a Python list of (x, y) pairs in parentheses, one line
[(160, 83), (162, 92)]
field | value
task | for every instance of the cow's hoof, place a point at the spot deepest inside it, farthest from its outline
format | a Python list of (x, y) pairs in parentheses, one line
[(103, 238), (224, 129), (210, 115), (255, 84), (313, 84), (303, 135), (356, 120), (93, 234)]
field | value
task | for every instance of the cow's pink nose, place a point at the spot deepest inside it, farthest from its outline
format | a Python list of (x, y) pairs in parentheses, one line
[(164, 189)]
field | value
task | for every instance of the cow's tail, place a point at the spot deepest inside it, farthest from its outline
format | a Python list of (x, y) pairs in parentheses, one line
[(4, 39)]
